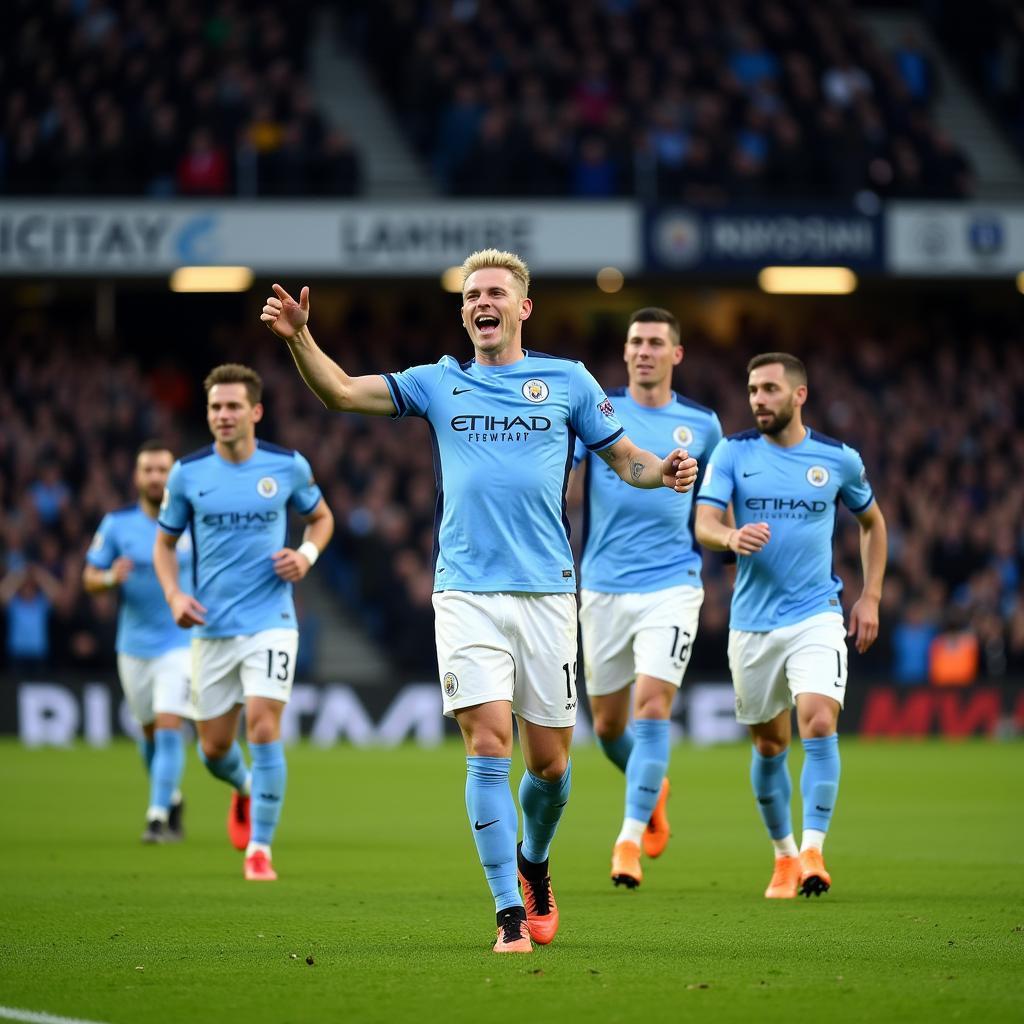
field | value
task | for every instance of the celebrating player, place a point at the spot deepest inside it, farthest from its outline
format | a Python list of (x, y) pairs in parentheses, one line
[(502, 425), (786, 638), (234, 495), (640, 600), (152, 652)]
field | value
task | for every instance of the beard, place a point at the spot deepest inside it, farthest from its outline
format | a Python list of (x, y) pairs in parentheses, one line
[(778, 422)]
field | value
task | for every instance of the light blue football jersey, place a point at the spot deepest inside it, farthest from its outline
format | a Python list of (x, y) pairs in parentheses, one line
[(145, 628), (503, 439), (636, 541), (796, 491), (237, 514)]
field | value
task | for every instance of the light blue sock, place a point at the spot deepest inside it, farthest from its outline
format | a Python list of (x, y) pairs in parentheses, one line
[(618, 750), (495, 823), (770, 779), (543, 803), (269, 775), (647, 767), (819, 780), (168, 765), (147, 749), (231, 768)]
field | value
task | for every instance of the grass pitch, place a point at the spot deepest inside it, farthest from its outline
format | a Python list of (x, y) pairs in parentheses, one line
[(380, 886)]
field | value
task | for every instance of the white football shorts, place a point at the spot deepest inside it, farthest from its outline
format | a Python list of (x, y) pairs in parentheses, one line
[(160, 685), (227, 670), (626, 635), (770, 669), (515, 647)]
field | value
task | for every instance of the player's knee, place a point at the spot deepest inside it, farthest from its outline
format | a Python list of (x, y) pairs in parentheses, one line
[(263, 730), (213, 748), (818, 725), (769, 746), (551, 771), (608, 727)]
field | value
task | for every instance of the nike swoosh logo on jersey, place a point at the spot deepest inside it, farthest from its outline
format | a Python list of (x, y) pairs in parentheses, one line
[(755, 473), (203, 494), (461, 391), (488, 824)]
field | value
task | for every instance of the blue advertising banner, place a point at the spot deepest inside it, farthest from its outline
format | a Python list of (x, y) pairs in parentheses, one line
[(739, 239)]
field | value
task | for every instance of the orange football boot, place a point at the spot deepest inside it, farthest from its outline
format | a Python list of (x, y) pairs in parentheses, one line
[(814, 879), (259, 869), (239, 822), (513, 932), (541, 908), (657, 833), (626, 864), (785, 879)]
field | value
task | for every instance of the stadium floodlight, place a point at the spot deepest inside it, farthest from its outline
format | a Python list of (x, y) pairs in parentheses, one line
[(451, 280), (807, 280), (211, 279), (610, 280)]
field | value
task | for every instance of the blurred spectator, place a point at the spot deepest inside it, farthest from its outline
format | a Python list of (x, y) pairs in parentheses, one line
[(29, 596), (785, 72), (104, 97), (203, 170)]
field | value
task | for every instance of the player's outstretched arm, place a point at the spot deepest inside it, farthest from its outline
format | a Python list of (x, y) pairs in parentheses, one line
[(714, 532), (874, 549), (289, 320), (642, 468), (185, 609)]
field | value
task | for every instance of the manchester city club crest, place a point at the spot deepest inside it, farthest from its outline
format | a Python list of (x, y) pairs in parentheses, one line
[(267, 487), (817, 476), (450, 683), (535, 390), (683, 436)]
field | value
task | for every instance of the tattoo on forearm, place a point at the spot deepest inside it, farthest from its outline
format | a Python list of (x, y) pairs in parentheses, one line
[(636, 470)]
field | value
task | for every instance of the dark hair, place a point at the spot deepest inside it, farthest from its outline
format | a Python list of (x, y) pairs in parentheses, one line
[(236, 373), (793, 367), (154, 445), (655, 315)]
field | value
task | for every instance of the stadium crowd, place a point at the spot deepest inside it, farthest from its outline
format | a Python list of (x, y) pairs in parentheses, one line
[(937, 411), (706, 101), (119, 97)]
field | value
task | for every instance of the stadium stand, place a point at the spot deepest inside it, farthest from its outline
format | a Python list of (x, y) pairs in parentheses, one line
[(703, 102), (936, 408), (115, 97)]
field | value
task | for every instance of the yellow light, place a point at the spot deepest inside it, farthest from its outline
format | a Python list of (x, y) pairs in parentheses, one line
[(807, 280), (610, 280), (1020, 282), (451, 280), (211, 279)]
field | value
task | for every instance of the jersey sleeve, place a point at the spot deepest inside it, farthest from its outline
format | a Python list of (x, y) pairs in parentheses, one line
[(175, 509), (717, 483), (305, 494), (412, 389), (104, 547), (591, 413), (855, 491)]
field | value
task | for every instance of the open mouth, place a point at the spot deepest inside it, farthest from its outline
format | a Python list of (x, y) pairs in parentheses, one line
[(487, 325)]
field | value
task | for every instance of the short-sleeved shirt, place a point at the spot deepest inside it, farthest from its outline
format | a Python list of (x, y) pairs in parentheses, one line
[(503, 440), (635, 541), (145, 627), (796, 491), (237, 514)]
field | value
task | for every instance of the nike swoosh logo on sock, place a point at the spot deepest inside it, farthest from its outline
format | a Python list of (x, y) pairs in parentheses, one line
[(488, 824)]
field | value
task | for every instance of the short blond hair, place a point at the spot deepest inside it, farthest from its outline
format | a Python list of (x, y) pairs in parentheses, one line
[(486, 258)]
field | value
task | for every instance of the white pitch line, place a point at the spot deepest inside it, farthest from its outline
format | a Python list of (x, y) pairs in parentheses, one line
[(31, 1017)]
